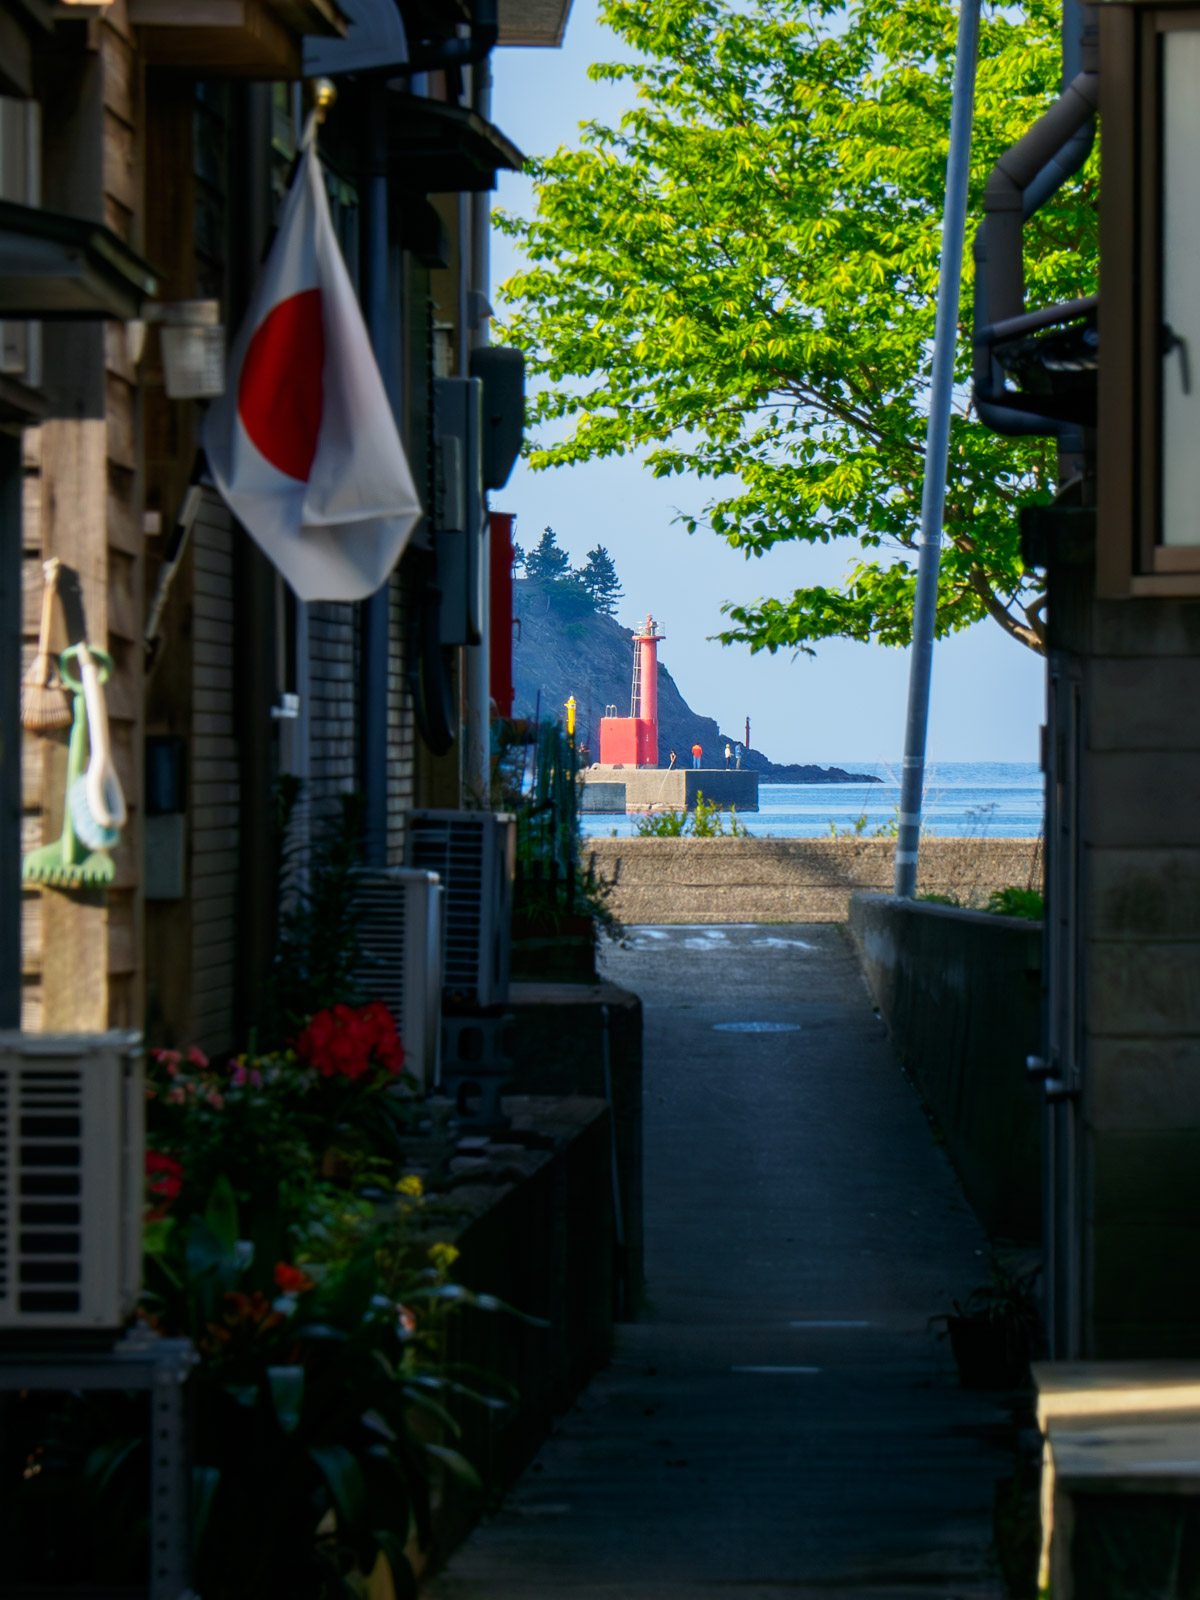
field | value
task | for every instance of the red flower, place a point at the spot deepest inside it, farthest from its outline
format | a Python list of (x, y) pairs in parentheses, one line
[(164, 1175), (164, 1180), (341, 1042), (292, 1280)]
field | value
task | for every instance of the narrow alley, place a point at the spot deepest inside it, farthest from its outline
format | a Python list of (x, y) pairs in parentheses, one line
[(782, 1420)]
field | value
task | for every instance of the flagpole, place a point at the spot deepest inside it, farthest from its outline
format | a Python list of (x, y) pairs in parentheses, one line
[(937, 446)]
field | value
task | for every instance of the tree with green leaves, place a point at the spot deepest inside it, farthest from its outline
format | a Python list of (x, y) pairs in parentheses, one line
[(738, 284), (547, 560), (598, 575)]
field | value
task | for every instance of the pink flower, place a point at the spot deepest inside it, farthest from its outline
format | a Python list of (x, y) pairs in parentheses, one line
[(176, 1096), (197, 1058), (239, 1076), (215, 1099)]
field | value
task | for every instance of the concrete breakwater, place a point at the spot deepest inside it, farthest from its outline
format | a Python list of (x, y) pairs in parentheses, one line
[(793, 880)]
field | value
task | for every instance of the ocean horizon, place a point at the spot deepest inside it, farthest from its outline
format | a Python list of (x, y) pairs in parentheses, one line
[(963, 799)]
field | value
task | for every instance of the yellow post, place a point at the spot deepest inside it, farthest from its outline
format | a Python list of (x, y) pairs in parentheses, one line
[(570, 710)]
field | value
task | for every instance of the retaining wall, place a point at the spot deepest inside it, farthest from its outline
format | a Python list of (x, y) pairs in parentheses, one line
[(793, 880), (960, 992)]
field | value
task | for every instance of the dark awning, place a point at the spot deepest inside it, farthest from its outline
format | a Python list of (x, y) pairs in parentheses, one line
[(375, 40), (54, 267), (442, 149)]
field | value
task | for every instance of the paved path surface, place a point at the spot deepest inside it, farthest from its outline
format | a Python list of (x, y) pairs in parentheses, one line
[(781, 1422)]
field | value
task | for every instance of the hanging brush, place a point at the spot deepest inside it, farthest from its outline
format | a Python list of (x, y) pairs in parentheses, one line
[(44, 702)]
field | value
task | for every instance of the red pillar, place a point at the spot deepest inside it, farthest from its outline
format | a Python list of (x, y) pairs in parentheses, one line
[(501, 612)]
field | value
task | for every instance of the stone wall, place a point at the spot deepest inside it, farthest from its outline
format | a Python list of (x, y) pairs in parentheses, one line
[(793, 880)]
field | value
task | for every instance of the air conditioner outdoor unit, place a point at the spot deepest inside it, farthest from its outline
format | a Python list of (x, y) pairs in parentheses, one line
[(474, 854), (399, 929), (72, 1179)]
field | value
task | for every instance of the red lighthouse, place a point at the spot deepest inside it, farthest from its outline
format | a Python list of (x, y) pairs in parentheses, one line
[(632, 741)]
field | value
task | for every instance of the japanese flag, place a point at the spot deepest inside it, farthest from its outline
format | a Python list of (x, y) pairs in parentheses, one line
[(302, 444)]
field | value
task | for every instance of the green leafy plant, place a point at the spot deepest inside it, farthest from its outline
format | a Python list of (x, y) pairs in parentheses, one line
[(1014, 901), (316, 945), (661, 825), (857, 828), (321, 1386), (995, 1333), (738, 283), (538, 781), (706, 821)]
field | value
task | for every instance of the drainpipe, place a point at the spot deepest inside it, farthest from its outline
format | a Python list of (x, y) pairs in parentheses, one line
[(937, 445), (375, 610), (255, 598), (477, 662), (1021, 182)]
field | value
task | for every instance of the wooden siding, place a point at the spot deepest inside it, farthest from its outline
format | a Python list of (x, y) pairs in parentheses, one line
[(401, 727), (215, 797), (333, 708), (82, 952)]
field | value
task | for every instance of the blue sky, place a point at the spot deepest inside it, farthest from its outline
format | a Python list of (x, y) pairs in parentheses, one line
[(847, 704)]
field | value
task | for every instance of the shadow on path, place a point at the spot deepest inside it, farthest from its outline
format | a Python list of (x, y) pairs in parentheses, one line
[(782, 1421)]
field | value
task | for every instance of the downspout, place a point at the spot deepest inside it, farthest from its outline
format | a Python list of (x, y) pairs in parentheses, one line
[(1025, 177), (477, 657), (375, 614)]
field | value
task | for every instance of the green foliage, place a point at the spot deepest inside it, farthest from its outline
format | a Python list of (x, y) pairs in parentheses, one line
[(316, 944), (705, 822), (598, 576), (322, 1409), (661, 825), (538, 781), (547, 559), (738, 283), (857, 828), (1014, 901)]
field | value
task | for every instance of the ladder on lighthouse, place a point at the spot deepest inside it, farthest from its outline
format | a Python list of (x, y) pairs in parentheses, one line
[(635, 700)]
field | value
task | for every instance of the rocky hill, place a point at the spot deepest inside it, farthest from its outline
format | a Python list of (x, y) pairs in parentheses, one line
[(563, 647)]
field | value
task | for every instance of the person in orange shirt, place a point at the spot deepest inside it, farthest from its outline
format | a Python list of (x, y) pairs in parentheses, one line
[(696, 754)]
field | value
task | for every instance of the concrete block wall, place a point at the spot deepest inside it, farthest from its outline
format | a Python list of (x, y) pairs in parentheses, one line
[(960, 992), (793, 880), (1139, 1108)]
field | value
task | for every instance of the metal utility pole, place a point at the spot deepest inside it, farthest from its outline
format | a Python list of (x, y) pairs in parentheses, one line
[(937, 444)]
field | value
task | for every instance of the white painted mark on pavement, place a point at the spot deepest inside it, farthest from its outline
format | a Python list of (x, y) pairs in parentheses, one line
[(756, 1027)]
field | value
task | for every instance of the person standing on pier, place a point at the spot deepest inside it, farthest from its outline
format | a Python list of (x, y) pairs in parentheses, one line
[(697, 752)]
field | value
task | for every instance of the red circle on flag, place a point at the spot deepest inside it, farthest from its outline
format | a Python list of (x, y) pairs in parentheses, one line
[(280, 391)]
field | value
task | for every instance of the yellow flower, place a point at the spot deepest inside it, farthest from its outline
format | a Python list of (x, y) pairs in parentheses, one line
[(411, 1185), (443, 1256)]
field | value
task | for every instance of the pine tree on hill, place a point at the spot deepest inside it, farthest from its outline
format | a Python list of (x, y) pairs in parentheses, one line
[(518, 557), (598, 576), (547, 560)]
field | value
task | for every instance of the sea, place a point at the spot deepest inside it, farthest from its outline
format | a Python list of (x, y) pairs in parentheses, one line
[(963, 799)]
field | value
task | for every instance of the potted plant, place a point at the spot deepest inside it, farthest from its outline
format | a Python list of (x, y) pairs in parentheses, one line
[(995, 1333)]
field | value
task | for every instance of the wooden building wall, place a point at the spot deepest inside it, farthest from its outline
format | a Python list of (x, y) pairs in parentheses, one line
[(214, 809), (83, 949), (402, 738), (333, 669)]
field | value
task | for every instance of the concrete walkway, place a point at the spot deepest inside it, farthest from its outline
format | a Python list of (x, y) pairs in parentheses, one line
[(781, 1422)]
